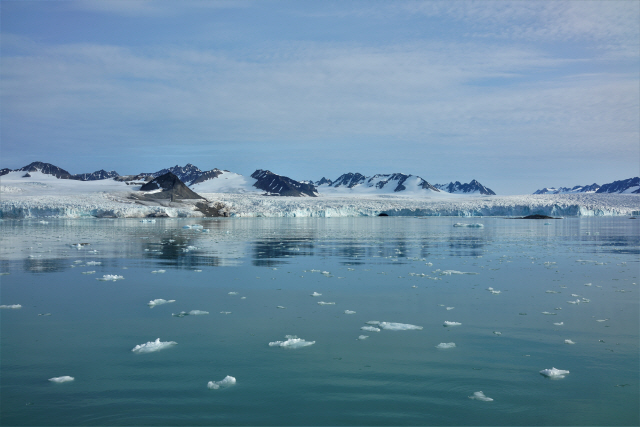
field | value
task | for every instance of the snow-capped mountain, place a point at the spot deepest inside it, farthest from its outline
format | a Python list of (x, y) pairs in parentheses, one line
[(566, 190), (187, 174), (95, 176), (46, 168), (279, 185), (631, 185), (474, 187), (169, 186)]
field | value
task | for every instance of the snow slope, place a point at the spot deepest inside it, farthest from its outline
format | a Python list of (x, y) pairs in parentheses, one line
[(227, 182)]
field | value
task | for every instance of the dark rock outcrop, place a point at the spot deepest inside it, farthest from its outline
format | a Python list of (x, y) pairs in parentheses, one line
[(95, 176), (621, 186), (472, 187), (172, 188), (46, 168), (276, 185)]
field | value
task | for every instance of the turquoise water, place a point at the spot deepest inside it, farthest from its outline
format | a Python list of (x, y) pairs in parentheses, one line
[(384, 269)]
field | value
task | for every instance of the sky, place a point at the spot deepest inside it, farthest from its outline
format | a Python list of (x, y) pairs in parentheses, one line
[(517, 95)]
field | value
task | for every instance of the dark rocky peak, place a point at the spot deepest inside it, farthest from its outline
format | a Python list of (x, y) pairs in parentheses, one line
[(172, 188), (205, 176), (187, 173), (621, 186), (349, 180), (46, 168), (472, 187), (5, 171), (95, 176), (324, 181), (277, 185)]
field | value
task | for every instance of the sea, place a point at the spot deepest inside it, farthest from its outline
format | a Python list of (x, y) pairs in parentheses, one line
[(320, 321)]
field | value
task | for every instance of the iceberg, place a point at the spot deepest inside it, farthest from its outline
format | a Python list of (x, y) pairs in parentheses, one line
[(152, 346), (447, 323), (569, 342), (363, 337), (444, 345), (199, 312), (11, 306), (390, 326), (370, 329), (159, 301), (326, 303), (478, 395), (159, 271), (554, 373), (109, 277), (62, 379), (315, 294), (291, 342), (225, 382), (349, 312)]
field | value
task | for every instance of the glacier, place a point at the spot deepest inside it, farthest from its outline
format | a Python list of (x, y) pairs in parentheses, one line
[(45, 196)]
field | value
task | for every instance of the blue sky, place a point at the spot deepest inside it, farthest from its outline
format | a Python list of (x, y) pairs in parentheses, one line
[(518, 95)]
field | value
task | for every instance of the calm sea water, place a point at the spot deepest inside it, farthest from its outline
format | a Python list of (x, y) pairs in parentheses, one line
[(255, 278)]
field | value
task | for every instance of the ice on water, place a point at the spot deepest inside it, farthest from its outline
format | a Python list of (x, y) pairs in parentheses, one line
[(391, 326), (554, 373), (11, 306), (316, 294), (447, 323), (370, 329), (225, 382), (478, 395), (62, 379), (444, 345), (291, 342), (159, 301), (152, 346), (349, 312), (110, 277)]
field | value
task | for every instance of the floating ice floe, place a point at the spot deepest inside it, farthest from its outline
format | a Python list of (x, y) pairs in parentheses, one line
[(315, 294), (222, 312), (450, 272), (559, 324), (574, 302), (326, 273), (148, 220), (201, 312), (370, 329), (450, 308), (159, 301), (232, 293), (549, 314), (12, 306), (62, 379), (447, 323), (281, 307), (226, 382), (569, 342), (552, 292), (478, 395), (363, 337), (459, 224), (587, 284), (159, 271), (326, 303), (93, 263), (349, 312), (497, 333), (291, 342), (110, 277), (89, 272), (152, 346), (391, 326), (554, 373), (599, 320), (44, 314), (444, 345)]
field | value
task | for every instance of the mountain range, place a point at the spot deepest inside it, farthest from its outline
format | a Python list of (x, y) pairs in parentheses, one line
[(269, 183), (630, 185)]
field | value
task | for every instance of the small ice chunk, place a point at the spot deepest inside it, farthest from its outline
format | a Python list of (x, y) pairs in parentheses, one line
[(159, 271), (109, 277), (559, 324), (552, 292), (574, 302), (587, 284), (446, 345), (390, 326), (575, 295), (62, 379), (44, 314), (349, 312), (11, 306), (291, 342), (599, 320), (459, 224), (370, 329), (152, 346), (326, 303), (225, 312), (447, 323), (181, 314), (93, 263), (159, 301), (549, 313), (232, 293), (89, 272), (497, 333), (569, 342), (315, 294), (554, 373), (495, 292), (372, 322), (363, 337), (281, 307), (450, 308), (226, 382), (478, 395), (197, 312)]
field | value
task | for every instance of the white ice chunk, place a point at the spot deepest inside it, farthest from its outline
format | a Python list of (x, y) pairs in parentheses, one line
[(446, 345), (315, 294), (159, 301), (599, 320), (447, 323), (450, 308), (349, 312), (291, 342), (197, 312), (12, 306), (109, 277), (93, 263), (549, 314), (459, 224), (226, 382), (223, 312), (62, 379), (450, 272), (554, 373), (569, 342), (478, 395), (326, 303), (159, 271), (363, 337), (372, 322), (390, 326), (89, 272), (152, 346), (587, 284), (370, 329), (497, 333), (232, 293), (559, 324)]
